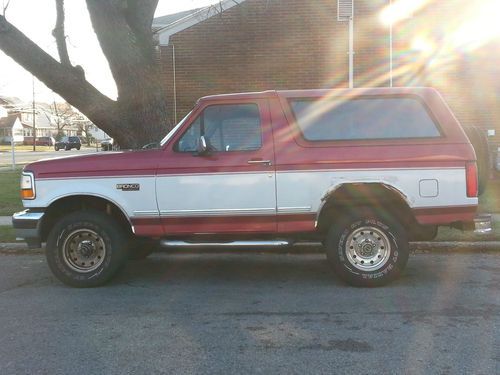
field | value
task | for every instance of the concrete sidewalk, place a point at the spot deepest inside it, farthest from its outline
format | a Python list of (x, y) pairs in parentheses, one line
[(5, 220)]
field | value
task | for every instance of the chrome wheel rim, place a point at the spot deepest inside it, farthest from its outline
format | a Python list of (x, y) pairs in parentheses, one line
[(368, 248), (84, 250)]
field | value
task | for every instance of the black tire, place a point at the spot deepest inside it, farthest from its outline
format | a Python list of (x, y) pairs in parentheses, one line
[(56, 148), (479, 141), (141, 248), (376, 257), (98, 243), (78, 148)]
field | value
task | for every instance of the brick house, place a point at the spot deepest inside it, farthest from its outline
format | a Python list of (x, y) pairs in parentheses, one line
[(253, 45)]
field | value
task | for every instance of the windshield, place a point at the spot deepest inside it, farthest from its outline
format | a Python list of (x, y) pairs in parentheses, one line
[(174, 130)]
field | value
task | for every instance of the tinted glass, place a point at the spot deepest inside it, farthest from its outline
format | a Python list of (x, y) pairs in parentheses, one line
[(226, 128), (388, 118)]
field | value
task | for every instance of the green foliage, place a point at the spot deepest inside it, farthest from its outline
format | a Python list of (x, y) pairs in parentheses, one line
[(10, 200), (7, 234)]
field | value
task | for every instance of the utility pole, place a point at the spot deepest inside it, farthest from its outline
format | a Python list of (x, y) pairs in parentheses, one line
[(34, 124), (390, 49)]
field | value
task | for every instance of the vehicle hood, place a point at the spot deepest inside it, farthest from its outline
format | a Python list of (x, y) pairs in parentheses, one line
[(141, 162)]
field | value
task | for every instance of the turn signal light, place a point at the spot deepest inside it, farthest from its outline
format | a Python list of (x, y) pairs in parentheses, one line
[(27, 194), (27, 185)]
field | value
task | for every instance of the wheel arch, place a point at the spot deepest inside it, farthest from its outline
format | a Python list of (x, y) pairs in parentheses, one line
[(66, 204), (351, 195)]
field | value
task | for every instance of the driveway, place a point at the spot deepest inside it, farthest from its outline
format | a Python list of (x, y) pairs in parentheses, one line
[(252, 313)]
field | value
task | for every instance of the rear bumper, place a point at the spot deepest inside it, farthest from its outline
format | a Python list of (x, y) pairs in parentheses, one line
[(482, 224), (27, 226)]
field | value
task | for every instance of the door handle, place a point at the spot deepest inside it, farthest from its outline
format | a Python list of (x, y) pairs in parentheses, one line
[(265, 162)]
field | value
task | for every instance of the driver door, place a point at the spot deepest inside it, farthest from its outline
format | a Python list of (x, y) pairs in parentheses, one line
[(231, 187)]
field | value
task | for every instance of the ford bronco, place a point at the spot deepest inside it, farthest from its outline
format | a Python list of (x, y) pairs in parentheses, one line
[(364, 171)]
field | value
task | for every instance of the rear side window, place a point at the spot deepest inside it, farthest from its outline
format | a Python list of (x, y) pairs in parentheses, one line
[(355, 119)]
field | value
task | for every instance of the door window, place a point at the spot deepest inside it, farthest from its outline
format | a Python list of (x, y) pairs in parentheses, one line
[(228, 127)]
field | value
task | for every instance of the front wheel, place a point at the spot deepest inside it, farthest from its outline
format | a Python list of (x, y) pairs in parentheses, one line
[(86, 249), (367, 250)]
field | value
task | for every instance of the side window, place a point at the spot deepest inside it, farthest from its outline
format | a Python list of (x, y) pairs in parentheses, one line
[(388, 118), (228, 127)]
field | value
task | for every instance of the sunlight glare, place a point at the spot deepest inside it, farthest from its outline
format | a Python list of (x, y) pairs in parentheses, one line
[(481, 27), (400, 10)]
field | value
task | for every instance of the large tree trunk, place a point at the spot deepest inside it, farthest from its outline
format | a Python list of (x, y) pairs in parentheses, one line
[(123, 28)]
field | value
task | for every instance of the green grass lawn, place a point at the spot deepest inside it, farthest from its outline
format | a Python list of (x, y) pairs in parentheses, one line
[(10, 200), (490, 200), (451, 234), (7, 234)]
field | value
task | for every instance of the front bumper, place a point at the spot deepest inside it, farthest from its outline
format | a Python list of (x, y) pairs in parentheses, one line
[(27, 226)]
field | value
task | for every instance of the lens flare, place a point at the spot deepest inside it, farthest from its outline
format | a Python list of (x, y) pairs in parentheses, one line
[(400, 10)]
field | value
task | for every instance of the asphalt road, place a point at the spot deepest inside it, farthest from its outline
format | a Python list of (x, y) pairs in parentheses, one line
[(24, 157), (252, 313)]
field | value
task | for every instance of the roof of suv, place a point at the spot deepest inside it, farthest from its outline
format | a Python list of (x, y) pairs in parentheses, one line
[(420, 91)]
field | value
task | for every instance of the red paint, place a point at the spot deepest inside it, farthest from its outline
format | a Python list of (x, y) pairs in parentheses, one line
[(445, 215), (219, 224), (148, 227)]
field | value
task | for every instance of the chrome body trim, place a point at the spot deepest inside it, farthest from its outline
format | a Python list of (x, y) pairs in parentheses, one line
[(27, 226), (211, 245), (218, 212)]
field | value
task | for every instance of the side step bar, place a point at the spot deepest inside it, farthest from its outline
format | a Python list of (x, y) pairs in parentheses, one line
[(217, 245)]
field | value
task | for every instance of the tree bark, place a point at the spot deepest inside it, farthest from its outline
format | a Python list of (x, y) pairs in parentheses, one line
[(123, 29)]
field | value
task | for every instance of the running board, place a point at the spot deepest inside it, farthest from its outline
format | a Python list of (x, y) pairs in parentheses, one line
[(218, 245)]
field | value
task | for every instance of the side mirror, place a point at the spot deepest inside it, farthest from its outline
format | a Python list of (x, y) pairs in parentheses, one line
[(202, 146)]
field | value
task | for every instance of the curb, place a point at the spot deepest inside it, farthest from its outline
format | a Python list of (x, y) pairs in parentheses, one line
[(19, 248)]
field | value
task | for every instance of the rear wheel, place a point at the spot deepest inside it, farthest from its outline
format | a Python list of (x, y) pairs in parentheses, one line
[(367, 250), (86, 249)]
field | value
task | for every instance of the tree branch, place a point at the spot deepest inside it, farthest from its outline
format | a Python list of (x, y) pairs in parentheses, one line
[(59, 35), (5, 6), (67, 81)]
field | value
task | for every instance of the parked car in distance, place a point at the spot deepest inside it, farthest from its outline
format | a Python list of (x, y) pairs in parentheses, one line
[(40, 141), (67, 143), (107, 144)]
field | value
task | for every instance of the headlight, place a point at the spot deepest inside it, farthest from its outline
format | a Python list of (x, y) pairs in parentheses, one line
[(27, 185)]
